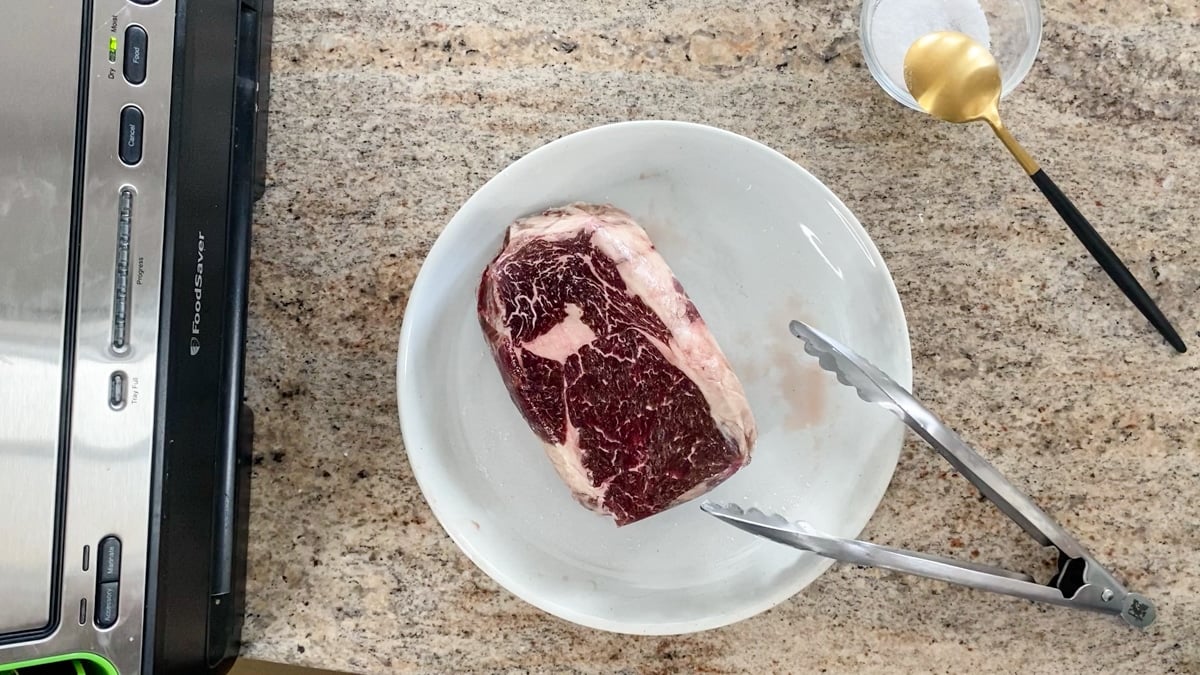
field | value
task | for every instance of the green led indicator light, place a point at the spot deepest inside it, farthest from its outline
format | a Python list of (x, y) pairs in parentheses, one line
[(112, 49)]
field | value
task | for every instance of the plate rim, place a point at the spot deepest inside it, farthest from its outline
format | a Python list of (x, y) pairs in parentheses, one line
[(522, 590)]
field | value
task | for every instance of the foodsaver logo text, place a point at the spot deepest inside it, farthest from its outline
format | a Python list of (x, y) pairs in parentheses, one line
[(198, 292)]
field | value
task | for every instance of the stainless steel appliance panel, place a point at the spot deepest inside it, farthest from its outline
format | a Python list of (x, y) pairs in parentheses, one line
[(39, 59)]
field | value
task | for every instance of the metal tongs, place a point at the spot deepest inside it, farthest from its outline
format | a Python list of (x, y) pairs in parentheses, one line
[(1080, 583)]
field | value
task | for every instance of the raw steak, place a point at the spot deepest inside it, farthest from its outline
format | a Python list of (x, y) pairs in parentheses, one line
[(610, 363)]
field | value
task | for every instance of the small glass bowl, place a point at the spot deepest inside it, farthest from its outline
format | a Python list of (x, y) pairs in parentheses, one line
[(1015, 28)]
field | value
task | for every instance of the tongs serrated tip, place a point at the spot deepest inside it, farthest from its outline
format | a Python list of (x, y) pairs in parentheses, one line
[(752, 516), (870, 383)]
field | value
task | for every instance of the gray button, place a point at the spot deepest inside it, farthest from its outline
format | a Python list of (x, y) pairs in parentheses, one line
[(109, 567), (135, 55), (107, 600), (131, 135), (116, 390)]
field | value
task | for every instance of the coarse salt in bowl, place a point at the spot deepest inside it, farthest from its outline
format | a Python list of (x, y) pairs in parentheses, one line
[(1010, 29)]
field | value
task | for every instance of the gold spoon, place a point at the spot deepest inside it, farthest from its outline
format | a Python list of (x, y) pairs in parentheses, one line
[(955, 79)]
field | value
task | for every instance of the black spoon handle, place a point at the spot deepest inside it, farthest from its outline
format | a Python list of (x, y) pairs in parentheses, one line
[(1104, 255)]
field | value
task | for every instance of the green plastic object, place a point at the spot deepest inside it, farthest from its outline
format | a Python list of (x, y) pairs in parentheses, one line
[(82, 663)]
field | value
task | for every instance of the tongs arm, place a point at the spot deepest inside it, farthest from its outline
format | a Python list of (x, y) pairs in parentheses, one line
[(990, 482), (1135, 609)]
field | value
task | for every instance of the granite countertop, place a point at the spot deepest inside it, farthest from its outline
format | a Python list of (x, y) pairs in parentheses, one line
[(387, 116)]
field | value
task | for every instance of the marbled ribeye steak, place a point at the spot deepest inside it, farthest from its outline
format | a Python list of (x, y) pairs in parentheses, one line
[(611, 364)]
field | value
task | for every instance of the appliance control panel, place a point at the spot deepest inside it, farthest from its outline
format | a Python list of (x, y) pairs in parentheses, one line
[(123, 212)]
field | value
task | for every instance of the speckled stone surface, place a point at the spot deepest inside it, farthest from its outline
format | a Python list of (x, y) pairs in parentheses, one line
[(388, 115)]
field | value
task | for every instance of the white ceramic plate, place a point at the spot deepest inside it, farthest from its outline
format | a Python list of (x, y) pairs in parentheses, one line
[(756, 241)]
